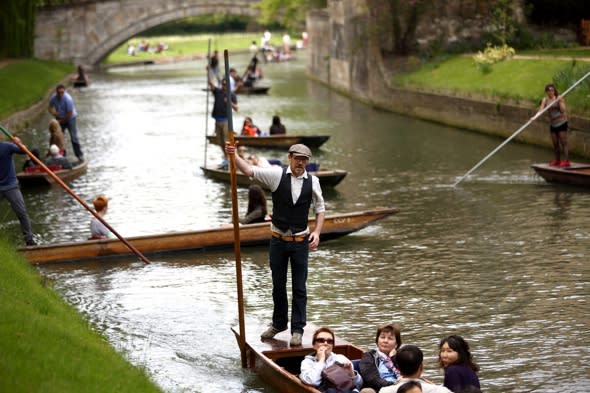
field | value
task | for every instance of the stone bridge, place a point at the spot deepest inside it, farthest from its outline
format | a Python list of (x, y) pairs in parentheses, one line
[(86, 32)]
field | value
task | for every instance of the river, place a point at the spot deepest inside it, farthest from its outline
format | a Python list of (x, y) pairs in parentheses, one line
[(501, 259)]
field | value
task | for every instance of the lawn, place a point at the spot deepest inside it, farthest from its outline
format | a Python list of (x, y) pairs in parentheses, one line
[(184, 46)]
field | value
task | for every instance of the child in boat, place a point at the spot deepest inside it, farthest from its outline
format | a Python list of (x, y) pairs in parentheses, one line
[(97, 229), (460, 370)]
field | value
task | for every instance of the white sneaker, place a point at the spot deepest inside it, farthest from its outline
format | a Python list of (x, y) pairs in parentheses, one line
[(296, 339)]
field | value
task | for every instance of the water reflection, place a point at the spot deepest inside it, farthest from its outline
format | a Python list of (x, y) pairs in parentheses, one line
[(501, 259)]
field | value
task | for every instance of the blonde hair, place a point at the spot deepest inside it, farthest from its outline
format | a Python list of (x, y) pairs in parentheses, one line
[(100, 203), (54, 126)]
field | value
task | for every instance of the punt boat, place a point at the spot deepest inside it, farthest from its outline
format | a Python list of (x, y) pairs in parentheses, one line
[(279, 364), (335, 226), (283, 141), (38, 177), (577, 174), (327, 177)]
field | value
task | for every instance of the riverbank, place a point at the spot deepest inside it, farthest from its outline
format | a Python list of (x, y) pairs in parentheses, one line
[(47, 345)]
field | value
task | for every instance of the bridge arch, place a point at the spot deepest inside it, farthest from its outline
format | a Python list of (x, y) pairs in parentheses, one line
[(87, 32)]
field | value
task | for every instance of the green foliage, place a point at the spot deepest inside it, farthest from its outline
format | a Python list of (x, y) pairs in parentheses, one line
[(567, 76), (17, 25), (492, 55), (558, 12), (218, 23), (503, 20), (47, 346), (289, 13), (19, 92)]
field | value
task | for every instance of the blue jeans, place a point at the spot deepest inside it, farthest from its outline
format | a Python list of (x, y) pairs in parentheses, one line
[(280, 253), (70, 125), (15, 198)]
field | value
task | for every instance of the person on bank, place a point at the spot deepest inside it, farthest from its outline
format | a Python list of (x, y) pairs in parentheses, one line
[(322, 358), (558, 127), (410, 360), (377, 366), (56, 160), (460, 369), (97, 229), (257, 209), (9, 188), (294, 191), (277, 128), (219, 112), (61, 106)]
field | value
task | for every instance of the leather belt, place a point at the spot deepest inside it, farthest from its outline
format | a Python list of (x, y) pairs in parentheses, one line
[(289, 238)]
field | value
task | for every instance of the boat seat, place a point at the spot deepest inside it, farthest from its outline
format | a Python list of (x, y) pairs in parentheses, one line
[(39, 169)]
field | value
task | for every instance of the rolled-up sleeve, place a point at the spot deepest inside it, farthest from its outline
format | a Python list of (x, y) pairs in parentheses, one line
[(317, 197)]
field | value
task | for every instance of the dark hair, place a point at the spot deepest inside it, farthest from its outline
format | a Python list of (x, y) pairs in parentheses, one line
[(256, 198), (409, 385), (459, 345), (549, 85), (390, 328), (276, 120), (323, 329), (60, 86), (408, 359)]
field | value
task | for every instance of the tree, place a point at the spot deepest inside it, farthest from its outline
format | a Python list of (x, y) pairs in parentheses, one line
[(289, 13)]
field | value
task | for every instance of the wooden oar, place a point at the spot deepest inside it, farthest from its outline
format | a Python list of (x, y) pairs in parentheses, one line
[(520, 129), (235, 217), (207, 101), (72, 193)]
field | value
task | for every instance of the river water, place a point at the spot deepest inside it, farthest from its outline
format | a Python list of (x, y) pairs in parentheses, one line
[(501, 259)]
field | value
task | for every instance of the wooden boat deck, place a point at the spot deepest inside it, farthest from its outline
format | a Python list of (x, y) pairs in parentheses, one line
[(41, 178), (335, 226), (578, 174), (327, 177), (279, 364), (277, 141)]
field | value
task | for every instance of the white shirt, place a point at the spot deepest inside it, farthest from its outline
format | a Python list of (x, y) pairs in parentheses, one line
[(426, 387)]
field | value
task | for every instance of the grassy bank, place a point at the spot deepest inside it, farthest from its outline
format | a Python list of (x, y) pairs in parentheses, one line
[(179, 46), (47, 346), (519, 80), (27, 81)]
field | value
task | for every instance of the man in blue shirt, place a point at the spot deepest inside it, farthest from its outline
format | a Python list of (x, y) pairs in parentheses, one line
[(61, 106), (9, 188)]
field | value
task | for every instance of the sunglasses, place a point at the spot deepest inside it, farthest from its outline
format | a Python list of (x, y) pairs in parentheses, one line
[(322, 340)]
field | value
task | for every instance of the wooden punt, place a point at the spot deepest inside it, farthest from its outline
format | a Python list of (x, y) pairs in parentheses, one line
[(578, 174), (328, 177), (283, 141), (277, 363), (335, 226), (41, 178), (252, 90)]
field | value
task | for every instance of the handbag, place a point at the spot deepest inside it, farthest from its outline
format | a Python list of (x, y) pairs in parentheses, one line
[(336, 377)]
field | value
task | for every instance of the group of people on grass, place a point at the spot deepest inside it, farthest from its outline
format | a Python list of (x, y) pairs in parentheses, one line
[(391, 367)]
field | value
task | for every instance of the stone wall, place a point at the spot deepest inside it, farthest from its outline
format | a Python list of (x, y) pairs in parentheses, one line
[(344, 58)]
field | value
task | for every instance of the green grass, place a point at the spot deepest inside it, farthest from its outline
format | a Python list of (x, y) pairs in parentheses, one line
[(25, 82), (47, 346), (516, 80), (184, 46), (576, 52)]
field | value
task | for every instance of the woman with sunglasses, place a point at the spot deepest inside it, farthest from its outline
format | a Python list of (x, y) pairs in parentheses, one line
[(323, 357)]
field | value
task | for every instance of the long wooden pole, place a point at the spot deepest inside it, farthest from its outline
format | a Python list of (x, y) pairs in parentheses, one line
[(235, 217), (73, 194), (207, 100), (519, 130)]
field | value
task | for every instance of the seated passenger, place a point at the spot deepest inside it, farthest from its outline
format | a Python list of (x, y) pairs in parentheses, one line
[(97, 229), (457, 361), (259, 161), (377, 366), (249, 129), (257, 209), (56, 159), (277, 128), (30, 165), (323, 357)]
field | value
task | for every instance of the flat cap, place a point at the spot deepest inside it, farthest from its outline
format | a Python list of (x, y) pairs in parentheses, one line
[(300, 150)]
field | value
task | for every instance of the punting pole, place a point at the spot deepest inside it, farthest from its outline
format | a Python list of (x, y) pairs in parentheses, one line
[(520, 129), (73, 194), (235, 218), (207, 100)]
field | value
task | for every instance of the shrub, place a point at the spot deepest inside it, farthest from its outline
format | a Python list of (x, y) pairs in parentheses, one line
[(491, 55)]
